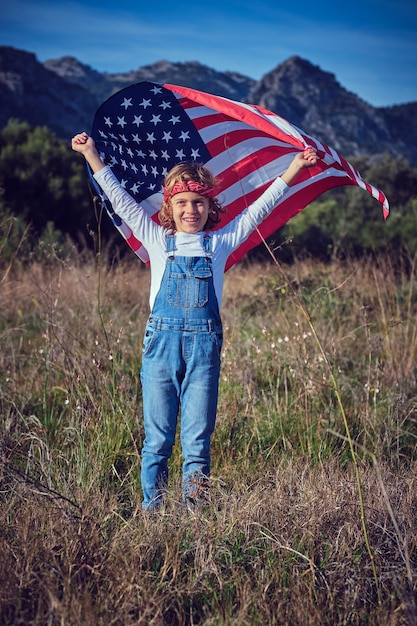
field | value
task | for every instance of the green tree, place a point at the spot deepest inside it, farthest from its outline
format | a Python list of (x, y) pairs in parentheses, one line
[(42, 181), (347, 221)]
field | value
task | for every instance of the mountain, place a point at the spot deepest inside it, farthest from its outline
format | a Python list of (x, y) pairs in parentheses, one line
[(64, 94), (192, 74), (314, 101), (32, 93)]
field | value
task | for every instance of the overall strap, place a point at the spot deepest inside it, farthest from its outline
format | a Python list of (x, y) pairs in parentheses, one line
[(170, 245), (207, 245)]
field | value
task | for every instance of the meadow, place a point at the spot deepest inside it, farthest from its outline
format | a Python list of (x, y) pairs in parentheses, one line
[(311, 517)]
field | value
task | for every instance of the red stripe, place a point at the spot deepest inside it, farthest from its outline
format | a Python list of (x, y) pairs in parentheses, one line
[(203, 121), (133, 242), (251, 162), (232, 138), (235, 109)]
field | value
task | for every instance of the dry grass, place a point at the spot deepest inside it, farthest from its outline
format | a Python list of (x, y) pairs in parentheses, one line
[(281, 538)]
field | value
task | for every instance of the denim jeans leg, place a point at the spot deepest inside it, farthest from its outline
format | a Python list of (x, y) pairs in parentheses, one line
[(199, 395), (160, 377)]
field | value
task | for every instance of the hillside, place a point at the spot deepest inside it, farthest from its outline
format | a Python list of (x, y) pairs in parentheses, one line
[(63, 94)]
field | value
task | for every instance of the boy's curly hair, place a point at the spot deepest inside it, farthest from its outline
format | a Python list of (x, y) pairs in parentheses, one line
[(195, 172)]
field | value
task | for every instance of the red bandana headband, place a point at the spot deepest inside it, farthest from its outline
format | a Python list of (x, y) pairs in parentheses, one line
[(190, 185)]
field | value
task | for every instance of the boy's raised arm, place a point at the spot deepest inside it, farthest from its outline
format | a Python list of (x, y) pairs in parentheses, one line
[(85, 145), (308, 158)]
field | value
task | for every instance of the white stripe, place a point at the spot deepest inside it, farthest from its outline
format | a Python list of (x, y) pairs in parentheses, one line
[(255, 179), (284, 126), (248, 147), (201, 111)]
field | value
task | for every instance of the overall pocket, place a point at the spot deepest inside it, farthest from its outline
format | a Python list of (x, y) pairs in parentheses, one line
[(188, 289)]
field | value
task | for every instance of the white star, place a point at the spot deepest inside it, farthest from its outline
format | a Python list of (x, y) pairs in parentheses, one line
[(123, 138), (185, 135), (144, 169), (164, 171), (133, 167), (153, 155), (121, 121), (108, 122), (135, 188), (113, 161), (140, 153), (123, 183), (102, 134), (150, 137), (154, 171), (136, 138), (165, 105), (179, 154), (174, 119), (130, 152), (167, 136), (165, 155), (138, 120), (123, 164), (151, 187), (113, 136), (156, 119), (145, 103), (195, 154), (156, 90), (127, 102)]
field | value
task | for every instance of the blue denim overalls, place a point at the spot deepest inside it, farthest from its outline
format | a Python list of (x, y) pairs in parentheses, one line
[(180, 369)]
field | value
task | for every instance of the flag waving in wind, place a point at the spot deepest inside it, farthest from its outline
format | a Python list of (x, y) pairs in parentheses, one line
[(145, 129)]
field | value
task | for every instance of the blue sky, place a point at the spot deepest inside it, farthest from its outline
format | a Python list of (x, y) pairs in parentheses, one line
[(370, 45)]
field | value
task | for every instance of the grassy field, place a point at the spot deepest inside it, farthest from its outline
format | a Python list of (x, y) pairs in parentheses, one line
[(312, 514)]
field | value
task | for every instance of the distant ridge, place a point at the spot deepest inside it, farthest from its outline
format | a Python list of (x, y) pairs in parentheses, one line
[(63, 94)]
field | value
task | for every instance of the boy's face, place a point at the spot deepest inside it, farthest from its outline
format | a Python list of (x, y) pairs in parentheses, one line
[(189, 211)]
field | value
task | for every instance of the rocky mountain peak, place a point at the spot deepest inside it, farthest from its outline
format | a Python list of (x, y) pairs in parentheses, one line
[(65, 93), (314, 100), (72, 70)]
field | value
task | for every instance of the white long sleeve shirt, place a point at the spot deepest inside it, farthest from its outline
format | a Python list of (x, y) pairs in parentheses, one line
[(153, 236)]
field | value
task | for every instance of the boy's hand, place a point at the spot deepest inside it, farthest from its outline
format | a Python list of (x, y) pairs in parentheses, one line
[(308, 158), (82, 142), (85, 145)]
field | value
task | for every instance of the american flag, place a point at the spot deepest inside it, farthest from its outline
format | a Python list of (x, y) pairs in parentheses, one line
[(142, 131)]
